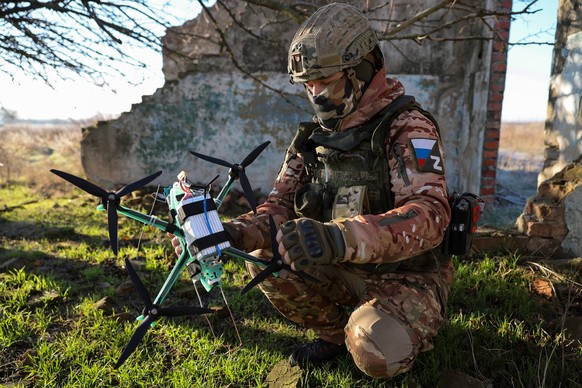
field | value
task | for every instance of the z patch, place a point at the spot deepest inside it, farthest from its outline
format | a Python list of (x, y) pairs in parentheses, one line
[(428, 156)]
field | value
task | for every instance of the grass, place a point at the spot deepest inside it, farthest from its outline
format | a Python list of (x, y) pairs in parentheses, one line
[(66, 310)]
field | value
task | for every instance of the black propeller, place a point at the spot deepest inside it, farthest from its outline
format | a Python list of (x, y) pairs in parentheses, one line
[(151, 312), (276, 264), (238, 170), (110, 200)]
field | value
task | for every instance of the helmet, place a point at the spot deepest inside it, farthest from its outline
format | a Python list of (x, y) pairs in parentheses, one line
[(337, 36)]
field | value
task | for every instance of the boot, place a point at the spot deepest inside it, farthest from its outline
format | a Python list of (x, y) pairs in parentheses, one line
[(316, 353)]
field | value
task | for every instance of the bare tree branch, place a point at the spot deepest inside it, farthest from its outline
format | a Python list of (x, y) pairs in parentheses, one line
[(235, 62), (69, 38), (293, 11), (94, 38), (420, 16)]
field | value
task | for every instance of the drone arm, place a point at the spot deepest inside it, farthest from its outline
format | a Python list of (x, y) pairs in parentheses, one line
[(224, 191), (147, 220), (173, 276), (238, 254)]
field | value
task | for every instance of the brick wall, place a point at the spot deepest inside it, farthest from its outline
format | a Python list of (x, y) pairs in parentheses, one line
[(495, 101), (552, 217)]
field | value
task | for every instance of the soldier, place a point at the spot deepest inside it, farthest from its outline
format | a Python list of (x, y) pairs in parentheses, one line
[(361, 203)]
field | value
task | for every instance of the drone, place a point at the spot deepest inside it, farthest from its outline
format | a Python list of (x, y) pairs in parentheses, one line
[(194, 220)]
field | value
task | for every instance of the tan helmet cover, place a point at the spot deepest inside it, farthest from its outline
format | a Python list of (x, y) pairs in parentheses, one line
[(337, 36)]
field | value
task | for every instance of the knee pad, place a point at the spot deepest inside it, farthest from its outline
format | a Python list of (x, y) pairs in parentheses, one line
[(381, 345)]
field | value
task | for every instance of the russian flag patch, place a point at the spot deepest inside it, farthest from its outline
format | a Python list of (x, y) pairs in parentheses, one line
[(428, 155)]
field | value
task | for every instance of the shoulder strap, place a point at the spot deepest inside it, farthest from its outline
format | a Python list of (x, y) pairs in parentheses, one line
[(390, 112)]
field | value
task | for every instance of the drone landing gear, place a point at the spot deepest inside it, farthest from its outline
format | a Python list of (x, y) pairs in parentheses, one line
[(194, 271)]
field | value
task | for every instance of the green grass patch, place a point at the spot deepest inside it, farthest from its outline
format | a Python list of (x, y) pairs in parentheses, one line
[(54, 331)]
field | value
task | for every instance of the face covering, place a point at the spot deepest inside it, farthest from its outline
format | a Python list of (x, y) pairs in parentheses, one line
[(334, 102)]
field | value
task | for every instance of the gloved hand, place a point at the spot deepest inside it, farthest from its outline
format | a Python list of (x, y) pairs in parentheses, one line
[(304, 242), (234, 233)]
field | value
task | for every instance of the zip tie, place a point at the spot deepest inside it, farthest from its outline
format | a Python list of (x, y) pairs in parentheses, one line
[(152, 220)]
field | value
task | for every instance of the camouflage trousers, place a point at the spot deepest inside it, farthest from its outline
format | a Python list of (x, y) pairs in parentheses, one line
[(385, 320)]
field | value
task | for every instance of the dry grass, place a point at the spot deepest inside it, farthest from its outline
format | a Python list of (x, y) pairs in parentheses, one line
[(27, 153), (526, 138)]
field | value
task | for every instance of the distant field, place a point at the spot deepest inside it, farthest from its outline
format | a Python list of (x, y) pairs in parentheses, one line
[(25, 148), (28, 152), (523, 137)]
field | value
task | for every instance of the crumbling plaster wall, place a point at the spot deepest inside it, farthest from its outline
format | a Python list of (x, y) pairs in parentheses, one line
[(213, 106), (553, 216), (563, 129)]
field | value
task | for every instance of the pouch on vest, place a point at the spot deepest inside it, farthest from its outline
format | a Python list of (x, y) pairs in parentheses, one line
[(466, 210), (309, 201), (350, 201)]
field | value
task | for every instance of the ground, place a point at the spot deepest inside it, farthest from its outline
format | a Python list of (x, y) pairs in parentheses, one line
[(520, 159)]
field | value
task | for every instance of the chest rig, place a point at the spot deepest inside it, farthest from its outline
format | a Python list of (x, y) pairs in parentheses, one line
[(353, 158)]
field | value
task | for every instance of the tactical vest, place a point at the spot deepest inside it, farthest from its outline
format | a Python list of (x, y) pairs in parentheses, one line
[(355, 157)]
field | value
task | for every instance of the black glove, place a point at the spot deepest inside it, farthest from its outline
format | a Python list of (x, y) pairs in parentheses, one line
[(234, 233), (305, 242)]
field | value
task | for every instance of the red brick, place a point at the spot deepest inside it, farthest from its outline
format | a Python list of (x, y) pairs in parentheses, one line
[(490, 154), (495, 96), (486, 191), (505, 6), (492, 132), (553, 230), (548, 212), (497, 88), (503, 24), (494, 115), (498, 57), (490, 162), (489, 184), (494, 106), (499, 67), (491, 144), (538, 229), (493, 125), (500, 46), (502, 34), (488, 198)]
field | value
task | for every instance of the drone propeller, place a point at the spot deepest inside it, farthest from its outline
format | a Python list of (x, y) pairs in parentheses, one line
[(110, 200), (151, 312), (238, 170), (276, 264)]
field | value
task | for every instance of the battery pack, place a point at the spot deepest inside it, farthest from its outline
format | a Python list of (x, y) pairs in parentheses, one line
[(202, 227)]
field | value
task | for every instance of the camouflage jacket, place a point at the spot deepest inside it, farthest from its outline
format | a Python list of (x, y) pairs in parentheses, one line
[(421, 212)]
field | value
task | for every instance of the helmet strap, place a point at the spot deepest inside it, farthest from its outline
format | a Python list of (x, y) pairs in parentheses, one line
[(355, 84)]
